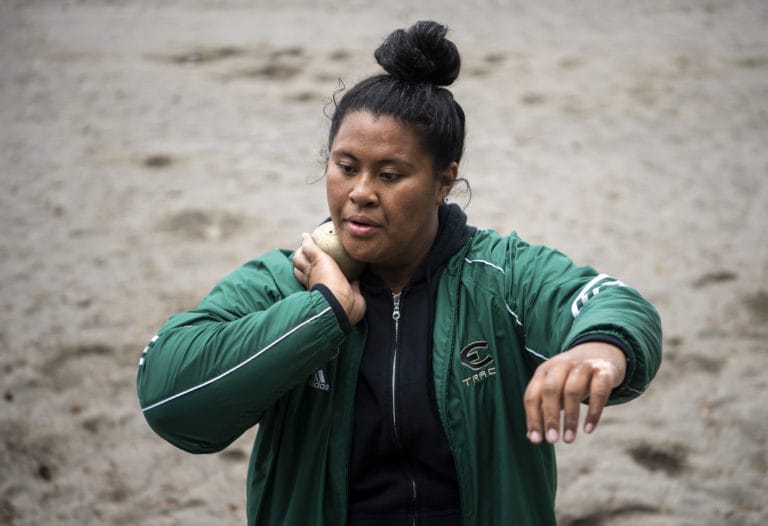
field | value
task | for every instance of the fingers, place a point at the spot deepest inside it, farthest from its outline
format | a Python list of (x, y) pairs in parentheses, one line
[(301, 264), (600, 390), (309, 247), (312, 266), (301, 277), (573, 394), (557, 387), (551, 401), (540, 393), (557, 390), (306, 258), (532, 403)]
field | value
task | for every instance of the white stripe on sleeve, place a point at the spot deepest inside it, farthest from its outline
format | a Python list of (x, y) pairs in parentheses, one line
[(238, 366)]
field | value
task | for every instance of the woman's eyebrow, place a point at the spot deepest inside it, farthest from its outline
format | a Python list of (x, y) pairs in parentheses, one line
[(394, 160), (343, 153)]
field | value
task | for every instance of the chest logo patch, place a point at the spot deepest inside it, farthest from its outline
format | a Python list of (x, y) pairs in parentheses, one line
[(471, 357), (474, 357)]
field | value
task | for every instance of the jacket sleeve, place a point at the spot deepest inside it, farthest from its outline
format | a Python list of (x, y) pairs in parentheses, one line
[(559, 303), (210, 373)]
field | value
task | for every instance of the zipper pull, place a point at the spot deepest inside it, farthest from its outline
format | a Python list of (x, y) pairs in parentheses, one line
[(396, 306)]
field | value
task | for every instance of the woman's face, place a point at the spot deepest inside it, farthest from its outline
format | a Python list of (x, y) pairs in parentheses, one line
[(382, 192)]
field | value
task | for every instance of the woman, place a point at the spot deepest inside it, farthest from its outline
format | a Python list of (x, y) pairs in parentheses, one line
[(430, 388)]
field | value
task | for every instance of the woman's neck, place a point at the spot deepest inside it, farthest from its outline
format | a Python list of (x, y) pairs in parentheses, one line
[(397, 277)]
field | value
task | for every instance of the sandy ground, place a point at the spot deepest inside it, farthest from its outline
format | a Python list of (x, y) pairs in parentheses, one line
[(147, 148)]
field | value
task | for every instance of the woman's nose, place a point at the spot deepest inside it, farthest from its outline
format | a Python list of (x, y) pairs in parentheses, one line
[(364, 192)]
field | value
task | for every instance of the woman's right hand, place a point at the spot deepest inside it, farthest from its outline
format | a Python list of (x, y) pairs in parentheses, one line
[(312, 266)]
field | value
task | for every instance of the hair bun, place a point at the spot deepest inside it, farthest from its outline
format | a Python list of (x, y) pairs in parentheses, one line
[(420, 54)]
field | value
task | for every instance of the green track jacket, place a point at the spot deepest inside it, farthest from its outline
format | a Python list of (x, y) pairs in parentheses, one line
[(261, 349)]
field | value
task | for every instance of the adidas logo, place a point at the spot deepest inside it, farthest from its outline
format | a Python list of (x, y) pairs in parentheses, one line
[(317, 381)]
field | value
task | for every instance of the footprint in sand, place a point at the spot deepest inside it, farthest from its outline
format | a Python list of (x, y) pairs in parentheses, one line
[(158, 160), (234, 455), (35, 456), (757, 305), (669, 459), (339, 55), (715, 277), (205, 55), (281, 65)]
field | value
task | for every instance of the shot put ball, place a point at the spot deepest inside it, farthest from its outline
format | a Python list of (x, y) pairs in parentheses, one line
[(325, 237)]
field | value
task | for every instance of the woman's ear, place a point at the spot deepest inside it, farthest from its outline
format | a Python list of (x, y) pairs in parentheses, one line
[(447, 178)]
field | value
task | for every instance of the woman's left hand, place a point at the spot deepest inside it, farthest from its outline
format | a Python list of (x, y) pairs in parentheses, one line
[(560, 384), (312, 266)]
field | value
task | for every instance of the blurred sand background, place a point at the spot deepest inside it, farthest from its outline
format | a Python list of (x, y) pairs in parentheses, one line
[(147, 148)]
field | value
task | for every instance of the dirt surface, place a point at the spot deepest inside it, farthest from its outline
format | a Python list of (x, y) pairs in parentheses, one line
[(148, 148)]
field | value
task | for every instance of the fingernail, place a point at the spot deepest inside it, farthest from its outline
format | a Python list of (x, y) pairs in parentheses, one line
[(534, 437), (552, 435), (568, 436), (589, 427)]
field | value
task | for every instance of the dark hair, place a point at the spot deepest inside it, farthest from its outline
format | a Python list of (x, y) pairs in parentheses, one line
[(419, 61)]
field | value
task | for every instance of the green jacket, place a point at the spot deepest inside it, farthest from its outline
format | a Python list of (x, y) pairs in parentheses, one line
[(259, 349)]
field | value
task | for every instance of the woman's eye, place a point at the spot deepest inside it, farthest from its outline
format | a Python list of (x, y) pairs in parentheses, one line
[(389, 176), (346, 169)]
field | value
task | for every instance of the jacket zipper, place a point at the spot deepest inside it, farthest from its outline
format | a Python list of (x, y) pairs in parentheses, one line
[(396, 319)]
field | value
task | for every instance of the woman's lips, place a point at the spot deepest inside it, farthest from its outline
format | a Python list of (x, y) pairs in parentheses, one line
[(360, 226)]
